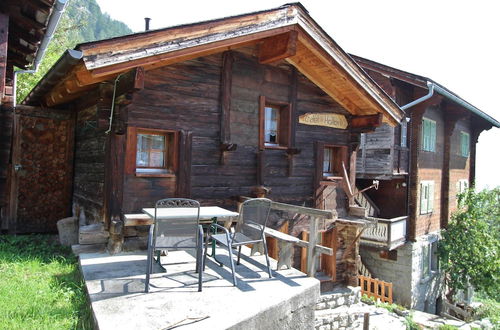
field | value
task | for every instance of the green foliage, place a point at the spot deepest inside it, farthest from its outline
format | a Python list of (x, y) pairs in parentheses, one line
[(489, 310), (82, 21), (40, 286), (447, 327), (411, 324), (368, 300), (470, 247)]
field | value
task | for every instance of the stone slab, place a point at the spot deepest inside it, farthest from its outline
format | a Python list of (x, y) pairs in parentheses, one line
[(116, 289)]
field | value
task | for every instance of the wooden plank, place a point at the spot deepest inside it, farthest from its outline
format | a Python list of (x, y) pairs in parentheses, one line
[(366, 122), (303, 253), (4, 36), (278, 47), (185, 161), (226, 85), (311, 253)]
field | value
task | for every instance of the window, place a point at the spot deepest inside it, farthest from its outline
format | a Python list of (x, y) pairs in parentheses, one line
[(429, 259), (271, 123), (275, 124), (151, 152), (426, 196), (464, 144), (428, 135), (333, 156)]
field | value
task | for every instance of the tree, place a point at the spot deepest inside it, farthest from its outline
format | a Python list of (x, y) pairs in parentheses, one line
[(82, 21), (469, 251)]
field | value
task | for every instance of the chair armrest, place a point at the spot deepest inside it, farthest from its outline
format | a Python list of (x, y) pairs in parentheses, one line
[(220, 227)]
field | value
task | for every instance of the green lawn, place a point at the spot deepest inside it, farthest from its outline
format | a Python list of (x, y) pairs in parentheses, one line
[(40, 285)]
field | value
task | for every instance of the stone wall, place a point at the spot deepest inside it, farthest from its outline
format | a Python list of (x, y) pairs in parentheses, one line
[(337, 309), (410, 287), (398, 271), (425, 288)]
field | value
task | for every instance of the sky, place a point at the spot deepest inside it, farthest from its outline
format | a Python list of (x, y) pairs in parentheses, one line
[(455, 43)]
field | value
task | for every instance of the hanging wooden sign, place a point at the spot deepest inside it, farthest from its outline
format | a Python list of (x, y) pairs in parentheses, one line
[(334, 120)]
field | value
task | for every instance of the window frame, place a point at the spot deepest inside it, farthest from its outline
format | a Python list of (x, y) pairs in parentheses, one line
[(426, 202), (430, 260), (464, 144), (429, 135), (170, 155), (283, 123)]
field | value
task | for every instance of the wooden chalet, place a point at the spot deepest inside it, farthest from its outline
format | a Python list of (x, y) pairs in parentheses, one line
[(261, 104), (23, 32), (421, 164)]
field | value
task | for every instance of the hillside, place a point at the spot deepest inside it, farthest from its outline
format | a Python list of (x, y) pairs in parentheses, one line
[(82, 21)]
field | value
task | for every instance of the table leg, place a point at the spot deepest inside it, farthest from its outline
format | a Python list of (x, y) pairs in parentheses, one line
[(214, 245), (158, 261)]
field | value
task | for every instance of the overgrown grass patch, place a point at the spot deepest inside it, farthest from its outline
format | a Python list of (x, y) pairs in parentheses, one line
[(40, 285)]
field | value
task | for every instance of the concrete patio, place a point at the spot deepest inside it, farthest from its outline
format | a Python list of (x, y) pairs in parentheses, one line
[(115, 285)]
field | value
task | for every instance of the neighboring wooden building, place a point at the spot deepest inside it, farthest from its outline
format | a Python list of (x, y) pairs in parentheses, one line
[(23, 32), (262, 104), (422, 165)]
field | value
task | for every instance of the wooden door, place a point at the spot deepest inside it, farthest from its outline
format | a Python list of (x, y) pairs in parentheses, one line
[(41, 175)]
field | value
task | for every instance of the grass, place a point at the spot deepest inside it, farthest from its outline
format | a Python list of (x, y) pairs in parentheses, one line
[(489, 310), (40, 285)]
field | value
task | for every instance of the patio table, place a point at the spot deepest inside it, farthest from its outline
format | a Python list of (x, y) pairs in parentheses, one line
[(212, 213)]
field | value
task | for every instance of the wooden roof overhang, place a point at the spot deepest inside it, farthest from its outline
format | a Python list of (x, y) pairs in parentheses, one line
[(28, 21), (421, 82), (287, 33)]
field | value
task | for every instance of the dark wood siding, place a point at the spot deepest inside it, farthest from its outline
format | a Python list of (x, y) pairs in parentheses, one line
[(89, 165), (186, 96)]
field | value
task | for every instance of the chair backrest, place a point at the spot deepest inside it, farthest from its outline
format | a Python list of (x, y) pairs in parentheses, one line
[(180, 227), (254, 214)]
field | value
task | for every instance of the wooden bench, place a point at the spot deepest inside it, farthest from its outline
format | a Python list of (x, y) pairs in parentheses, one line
[(142, 219), (285, 247)]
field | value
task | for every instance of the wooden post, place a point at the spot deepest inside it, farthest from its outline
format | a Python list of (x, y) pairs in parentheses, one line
[(184, 178), (225, 101), (366, 321), (313, 240), (4, 36)]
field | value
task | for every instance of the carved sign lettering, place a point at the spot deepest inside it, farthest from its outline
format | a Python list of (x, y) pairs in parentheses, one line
[(334, 120)]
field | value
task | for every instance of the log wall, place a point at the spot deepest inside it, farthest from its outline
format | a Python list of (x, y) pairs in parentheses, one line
[(186, 97), (90, 143)]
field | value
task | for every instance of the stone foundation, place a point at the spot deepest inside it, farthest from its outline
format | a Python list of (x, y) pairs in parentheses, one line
[(338, 309)]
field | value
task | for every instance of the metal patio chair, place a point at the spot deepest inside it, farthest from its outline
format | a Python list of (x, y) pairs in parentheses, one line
[(252, 221), (175, 234)]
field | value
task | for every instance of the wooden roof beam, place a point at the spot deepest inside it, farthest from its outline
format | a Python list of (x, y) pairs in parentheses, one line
[(19, 17), (278, 47), (186, 53)]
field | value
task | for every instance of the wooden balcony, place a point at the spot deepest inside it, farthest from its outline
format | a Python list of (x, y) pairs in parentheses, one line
[(385, 233)]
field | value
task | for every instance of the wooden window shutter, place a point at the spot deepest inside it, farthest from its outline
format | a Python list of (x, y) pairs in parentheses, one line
[(432, 128), (430, 205), (185, 160)]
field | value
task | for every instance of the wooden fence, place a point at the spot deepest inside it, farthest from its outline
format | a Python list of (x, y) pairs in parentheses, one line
[(376, 288)]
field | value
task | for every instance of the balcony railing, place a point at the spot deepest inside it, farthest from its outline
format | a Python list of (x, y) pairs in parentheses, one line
[(385, 233)]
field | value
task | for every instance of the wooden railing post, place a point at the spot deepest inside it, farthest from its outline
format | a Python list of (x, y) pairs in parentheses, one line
[(313, 240)]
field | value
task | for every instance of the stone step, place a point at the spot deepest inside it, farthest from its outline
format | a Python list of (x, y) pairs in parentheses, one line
[(339, 318), (88, 248), (340, 296)]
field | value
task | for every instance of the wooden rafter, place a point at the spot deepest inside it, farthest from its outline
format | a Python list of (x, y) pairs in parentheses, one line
[(278, 47)]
